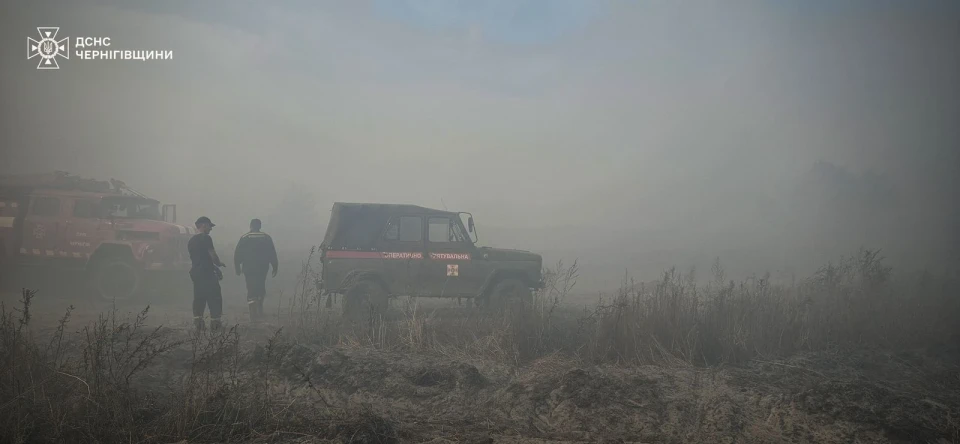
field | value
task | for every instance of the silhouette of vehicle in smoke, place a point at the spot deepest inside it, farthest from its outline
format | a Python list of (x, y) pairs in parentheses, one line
[(122, 240), (372, 252)]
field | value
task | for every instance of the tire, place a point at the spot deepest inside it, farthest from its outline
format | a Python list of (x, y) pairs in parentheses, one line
[(365, 298), (509, 293), (116, 279)]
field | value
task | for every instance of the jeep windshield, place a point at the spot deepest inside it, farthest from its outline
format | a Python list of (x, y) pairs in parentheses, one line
[(130, 208)]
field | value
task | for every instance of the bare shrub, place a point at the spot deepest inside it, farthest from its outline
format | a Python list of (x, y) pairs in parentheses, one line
[(82, 396)]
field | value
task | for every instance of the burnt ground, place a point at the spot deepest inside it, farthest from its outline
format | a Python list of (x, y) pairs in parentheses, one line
[(828, 399), (451, 395)]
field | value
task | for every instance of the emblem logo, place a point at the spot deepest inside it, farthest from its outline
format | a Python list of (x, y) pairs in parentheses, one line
[(48, 48)]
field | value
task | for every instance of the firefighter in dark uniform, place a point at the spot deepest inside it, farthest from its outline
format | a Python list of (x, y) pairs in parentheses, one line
[(205, 275), (253, 257)]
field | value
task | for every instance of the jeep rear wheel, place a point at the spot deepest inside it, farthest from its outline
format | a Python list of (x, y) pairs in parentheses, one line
[(510, 293), (116, 279), (364, 298)]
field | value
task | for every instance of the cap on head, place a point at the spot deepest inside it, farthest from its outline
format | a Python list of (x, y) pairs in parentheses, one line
[(255, 224), (204, 220)]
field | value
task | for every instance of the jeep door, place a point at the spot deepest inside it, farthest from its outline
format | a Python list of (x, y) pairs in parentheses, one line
[(41, 226), (402, 250), (450, 268)]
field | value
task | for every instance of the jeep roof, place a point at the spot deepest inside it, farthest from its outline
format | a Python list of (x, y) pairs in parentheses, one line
[(357, 226)]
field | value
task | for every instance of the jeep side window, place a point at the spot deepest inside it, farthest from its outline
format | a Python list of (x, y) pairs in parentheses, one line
[(444, 229), (404, 229), (84, 209), (411, 229), (45, 206)]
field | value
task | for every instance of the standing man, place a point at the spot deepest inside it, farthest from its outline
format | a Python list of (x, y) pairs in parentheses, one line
[(205, 275), (254, 255)]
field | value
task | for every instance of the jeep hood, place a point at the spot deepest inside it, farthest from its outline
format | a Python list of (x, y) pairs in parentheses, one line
[(503, 254)]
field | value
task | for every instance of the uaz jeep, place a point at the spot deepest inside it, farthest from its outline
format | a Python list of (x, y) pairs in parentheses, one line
[(372, 252)]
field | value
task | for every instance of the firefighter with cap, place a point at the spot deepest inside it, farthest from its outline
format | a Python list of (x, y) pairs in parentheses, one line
[(205, 275), (254, 256)]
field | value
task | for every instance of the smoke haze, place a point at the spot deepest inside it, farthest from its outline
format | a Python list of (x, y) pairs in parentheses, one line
[(633, 135)]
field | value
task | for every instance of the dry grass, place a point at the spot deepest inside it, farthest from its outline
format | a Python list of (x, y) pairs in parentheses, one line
[(118, 380), (853, 303), (101, 385)]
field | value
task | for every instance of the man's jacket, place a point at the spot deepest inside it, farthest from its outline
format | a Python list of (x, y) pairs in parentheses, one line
[(255, 253)]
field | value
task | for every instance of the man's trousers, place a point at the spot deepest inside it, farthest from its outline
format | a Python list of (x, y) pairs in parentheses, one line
[(256, 291), (206, 293)]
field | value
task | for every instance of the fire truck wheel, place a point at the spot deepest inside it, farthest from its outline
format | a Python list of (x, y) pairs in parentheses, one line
[(116, 279)]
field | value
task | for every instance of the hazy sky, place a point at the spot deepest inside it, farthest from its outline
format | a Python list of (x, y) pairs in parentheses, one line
[(633, 115)]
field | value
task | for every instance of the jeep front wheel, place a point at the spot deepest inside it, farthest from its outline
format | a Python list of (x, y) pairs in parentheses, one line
[(365, 298), (510, 293), (116, 279)]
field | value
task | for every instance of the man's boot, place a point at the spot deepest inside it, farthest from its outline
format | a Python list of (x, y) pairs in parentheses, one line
[(215, 324), (252, 306), (198, 323)]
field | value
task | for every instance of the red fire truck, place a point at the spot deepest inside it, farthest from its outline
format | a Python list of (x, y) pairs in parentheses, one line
[(121, 239)]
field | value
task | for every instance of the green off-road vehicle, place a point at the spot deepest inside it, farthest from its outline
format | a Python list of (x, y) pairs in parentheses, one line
[(372, 252)]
